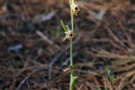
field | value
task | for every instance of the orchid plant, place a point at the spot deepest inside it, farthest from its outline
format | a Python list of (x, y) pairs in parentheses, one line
[(70, 35)]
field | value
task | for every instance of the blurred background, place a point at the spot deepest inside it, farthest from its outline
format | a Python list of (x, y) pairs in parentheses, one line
[(33, 54)]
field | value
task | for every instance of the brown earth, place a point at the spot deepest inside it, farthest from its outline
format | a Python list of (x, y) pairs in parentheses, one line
[(33, 54)]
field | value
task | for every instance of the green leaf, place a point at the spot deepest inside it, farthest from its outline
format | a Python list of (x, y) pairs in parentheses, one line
[(63, 25), (75, 77), (65, 38), (109, 75)]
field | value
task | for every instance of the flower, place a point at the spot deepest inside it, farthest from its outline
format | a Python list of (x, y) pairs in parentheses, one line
[(69, 35), (75, 9)]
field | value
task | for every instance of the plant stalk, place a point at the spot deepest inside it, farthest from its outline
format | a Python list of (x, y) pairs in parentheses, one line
[(72, 79)]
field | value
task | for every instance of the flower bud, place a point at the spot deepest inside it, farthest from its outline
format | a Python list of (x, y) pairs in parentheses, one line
[(75, 9)]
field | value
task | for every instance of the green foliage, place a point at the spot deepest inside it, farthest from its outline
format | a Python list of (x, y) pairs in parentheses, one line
[(109, 74), (70, 36), (63, 25)]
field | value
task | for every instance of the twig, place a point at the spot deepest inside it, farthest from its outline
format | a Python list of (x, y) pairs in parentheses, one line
[(27, 77), (12, 15), (128, 37), (115, 38), (47, 39), (46, 84)]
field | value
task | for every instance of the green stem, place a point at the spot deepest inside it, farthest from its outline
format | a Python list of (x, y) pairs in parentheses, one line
[(72, 28), (72, 21), (72, 16), (71, 53), (72, 79)]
